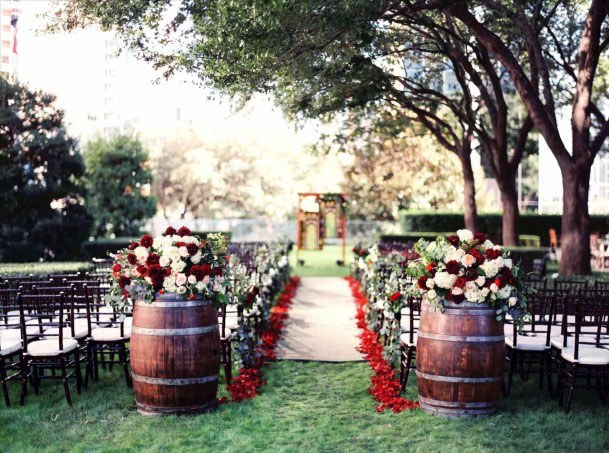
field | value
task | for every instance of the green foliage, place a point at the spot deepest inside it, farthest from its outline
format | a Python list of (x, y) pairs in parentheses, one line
[(41, 211), (99, 248), (118, 182), (44, 269), (528, 224)]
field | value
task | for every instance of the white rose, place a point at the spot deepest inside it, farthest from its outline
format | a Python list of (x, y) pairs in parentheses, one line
[(472, 296), (183, 251), (457, 291), (488, 244), (504, 292), (206, 280), (148, 280), (171, 288), (181, 279), (507, 262), (172, 253), (196, 258), (485, 291), (169, 281), (489, 268), (429, 283), (200, 286), (192, 279), (465, 235), (158, 242), (134, 272), (480, 281), (494, 287), (512, 301), (141, 253), (181, 290), (444, 279), (178, 266), (468, 260), (431, 294), (470, 286), (164, 261)]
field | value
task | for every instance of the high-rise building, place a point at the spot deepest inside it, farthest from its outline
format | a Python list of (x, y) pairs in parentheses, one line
[(9, 18)]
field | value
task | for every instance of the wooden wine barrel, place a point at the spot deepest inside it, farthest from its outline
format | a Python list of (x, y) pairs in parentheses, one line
[(175, 355), (460, 359)]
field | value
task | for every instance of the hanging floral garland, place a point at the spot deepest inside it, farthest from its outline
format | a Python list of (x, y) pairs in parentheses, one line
[(250, 379), (385, 386)]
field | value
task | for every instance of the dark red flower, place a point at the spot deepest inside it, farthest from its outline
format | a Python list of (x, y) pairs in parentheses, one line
[(170, 231), (146, 241), (116, 268), (453, 267), (480, 237), (124, 281), (141, 269), (153, 258), (155, 271), (183, 231), (460, 282), (132, 259), (453, 239), (492, 254), (476, 254), (218, 271), (134, 245), (192, 248), (431, 266), (395, 296), (362, 253), (458, 298), (421, 281)]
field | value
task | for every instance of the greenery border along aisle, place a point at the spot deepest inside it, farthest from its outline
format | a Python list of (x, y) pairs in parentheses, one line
[(385, 386), (250, 379)]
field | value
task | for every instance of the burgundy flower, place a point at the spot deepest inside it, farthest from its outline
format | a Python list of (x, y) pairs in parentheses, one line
[(192, 248), (460, 282), (124, 281), (422, 282), (134, 245), (480, 237), (155, 271), (146, 241), (183, 231), (153, 258), (458, 298), (476, 254), (453, 239), (492, 254), (132, 259), (141, 269), (170, 231), (453, 267), (217, 271)]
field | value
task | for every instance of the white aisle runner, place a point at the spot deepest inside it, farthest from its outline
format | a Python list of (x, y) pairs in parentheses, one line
[(321, 323)]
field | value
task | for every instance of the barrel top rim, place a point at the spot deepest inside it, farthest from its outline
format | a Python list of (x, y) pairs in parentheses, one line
[(462, 305)]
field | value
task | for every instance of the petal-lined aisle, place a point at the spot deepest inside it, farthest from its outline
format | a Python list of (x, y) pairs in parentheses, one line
[(322, 324)]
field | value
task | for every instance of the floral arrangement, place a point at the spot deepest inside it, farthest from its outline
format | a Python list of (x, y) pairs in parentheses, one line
[(175, 262), (468, 267)]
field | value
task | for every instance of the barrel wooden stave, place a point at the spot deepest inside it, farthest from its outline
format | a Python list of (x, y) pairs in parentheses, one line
[(173, 343), (460, 359)]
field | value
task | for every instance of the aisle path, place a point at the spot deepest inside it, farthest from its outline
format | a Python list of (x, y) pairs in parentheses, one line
[(321, 324)]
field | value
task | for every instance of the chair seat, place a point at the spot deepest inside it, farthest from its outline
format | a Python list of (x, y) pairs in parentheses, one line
[(588, 355), (557, 340), (51, 347), (231, 323), (80, 332), (405, 339), (405, 324), (9, 347), (102, 334), (535, 342)]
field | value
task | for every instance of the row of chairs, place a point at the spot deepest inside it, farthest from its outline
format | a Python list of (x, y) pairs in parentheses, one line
[(573, 314)]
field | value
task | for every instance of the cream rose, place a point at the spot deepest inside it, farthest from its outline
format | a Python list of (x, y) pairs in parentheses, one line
[(465, 235), (468, 260), (181, 279)]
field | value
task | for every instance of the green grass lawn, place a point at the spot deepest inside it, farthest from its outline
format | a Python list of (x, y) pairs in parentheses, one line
[(304, 407), (43, 269), (321, 262)]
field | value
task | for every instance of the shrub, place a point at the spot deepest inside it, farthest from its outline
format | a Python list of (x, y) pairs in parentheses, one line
[(99, 248), (45, 268)]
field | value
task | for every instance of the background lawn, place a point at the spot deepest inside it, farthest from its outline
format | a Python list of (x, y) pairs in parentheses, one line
[(304, 406), (321, 262)]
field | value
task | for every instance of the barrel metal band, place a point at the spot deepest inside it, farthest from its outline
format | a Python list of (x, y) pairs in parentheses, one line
[(472, 339), (176, 304), (174, 381), (459, 379), (434, 402), (460, 312), (174, 332)]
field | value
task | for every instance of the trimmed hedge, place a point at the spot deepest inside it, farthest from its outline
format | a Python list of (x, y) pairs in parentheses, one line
[(528, 224), (412, 236), (99, 248), (44, 268)]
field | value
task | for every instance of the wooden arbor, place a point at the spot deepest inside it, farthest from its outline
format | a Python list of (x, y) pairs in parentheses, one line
[(321, 216)]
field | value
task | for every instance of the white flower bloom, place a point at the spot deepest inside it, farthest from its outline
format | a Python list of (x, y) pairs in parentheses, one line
[(507, 262), (470, 286), (444, 279), (172, 253), (148, 279), (472, 296), (457, 291), (429, 283), (181, 279), (158, 242), (490, 268), (431, 294), (164, 261), (455, 255), (494, 288), (183, 251), (480, 281), (504, 292), (192, 279), (206, 280), (181, 290), (512, 301), (465, 235), (485, 291), (200, 286), (468, 260), (488, 244), (178, 266), (141, 253), (196, 258)]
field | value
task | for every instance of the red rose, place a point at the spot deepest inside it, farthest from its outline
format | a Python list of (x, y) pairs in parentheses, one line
[(192, 296), (153, 258), (132, 259), (166, 272), (116, 268), (362, 253), (458, 298), (422, 282), (480, 237), (218, 272), (146, 241), (192, 248), (124, 281), (395, 296), (183, 231), (453, 239), (492, 254), (170, 231), (431, 266), (476, 254), (155, 272), (141, 269), (460, 282), (453, 267), (497, 282), (134, 245)]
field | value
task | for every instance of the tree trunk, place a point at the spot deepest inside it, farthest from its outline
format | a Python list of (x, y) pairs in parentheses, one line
[(470, 212), (509, 218), (575, 234)]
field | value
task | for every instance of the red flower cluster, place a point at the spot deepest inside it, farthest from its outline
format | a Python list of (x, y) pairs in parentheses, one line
[(385, 386), (246, 385), (395, 296)]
